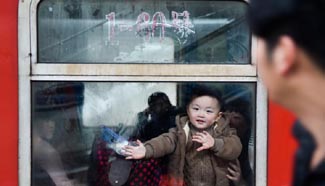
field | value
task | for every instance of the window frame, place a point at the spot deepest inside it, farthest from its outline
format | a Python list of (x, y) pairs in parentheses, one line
[(30, 70), (130, 69)]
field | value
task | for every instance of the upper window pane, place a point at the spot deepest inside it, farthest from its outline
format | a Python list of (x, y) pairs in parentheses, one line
[(98, 31)]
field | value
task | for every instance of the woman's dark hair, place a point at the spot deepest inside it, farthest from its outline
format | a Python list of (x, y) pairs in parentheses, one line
[(154, 97), (241, 106)]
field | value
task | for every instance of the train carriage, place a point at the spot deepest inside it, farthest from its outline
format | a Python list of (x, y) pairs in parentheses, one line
[(88, 64)]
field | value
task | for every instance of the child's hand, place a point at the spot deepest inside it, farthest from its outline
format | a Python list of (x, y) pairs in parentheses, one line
[(205, 138), (234, 173), (135, 152)]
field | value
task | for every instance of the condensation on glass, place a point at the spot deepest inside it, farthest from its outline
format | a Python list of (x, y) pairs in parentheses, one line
[(185, 32), (76, 127)]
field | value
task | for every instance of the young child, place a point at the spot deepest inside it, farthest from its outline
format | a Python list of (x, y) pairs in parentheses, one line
[(199, 147)]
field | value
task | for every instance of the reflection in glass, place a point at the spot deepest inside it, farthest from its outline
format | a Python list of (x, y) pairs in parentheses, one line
[(90, 121), (47, 165), (142, 32)]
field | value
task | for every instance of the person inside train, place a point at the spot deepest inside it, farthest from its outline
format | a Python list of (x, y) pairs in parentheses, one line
[(154, 120), (199, 147), (47, 166), (239, 171), (157, 118), (291, 62)]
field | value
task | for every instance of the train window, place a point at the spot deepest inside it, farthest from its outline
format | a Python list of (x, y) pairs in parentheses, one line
[(78, 128), (92, 71), (179, 31)]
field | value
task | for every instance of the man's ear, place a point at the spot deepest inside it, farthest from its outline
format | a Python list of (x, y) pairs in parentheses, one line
[(284, 55)]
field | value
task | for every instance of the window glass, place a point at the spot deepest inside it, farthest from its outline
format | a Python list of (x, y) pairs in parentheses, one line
[(78, 128), (98, 31)]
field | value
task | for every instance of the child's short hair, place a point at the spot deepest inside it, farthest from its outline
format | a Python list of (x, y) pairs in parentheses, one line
[(199, 90)]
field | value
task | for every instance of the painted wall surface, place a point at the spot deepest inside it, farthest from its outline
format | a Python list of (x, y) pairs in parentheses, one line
[(8, 93), (281, 146)]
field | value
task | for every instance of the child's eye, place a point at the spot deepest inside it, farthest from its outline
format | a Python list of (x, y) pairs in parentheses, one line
[(195, 108), (209, 111)]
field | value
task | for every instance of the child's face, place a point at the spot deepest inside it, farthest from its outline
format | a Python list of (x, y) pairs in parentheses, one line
[(203, 111)]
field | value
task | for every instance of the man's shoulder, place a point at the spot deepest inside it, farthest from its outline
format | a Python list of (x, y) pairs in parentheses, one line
[(301, 133)]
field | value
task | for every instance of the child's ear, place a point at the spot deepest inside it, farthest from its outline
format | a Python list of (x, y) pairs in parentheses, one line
[(220, 114)]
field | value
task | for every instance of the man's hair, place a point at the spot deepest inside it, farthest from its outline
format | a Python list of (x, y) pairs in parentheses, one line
[(199, 90), (302, 20)]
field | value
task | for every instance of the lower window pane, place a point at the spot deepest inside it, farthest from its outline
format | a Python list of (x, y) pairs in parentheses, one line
[(79, 129)]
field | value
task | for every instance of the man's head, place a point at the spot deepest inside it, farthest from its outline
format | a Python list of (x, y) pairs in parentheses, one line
[(291, 34), (301, 20)]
